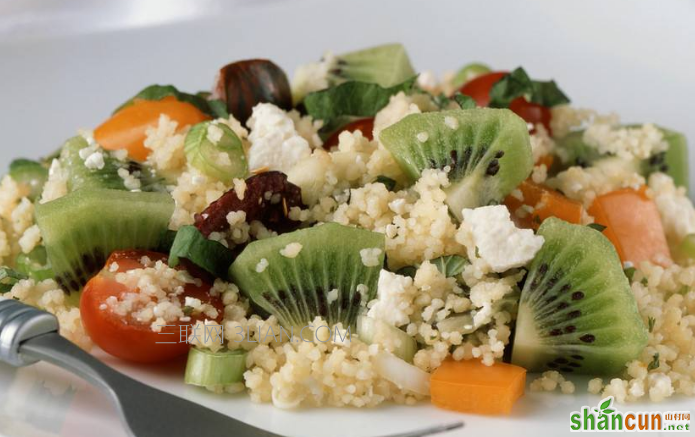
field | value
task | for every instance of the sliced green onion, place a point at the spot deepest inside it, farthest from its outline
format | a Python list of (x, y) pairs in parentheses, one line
[(450, 265), (214, 149), (209, 369), (404, 375), (35, 264), (29, 173), (8, 278), (687, 246), (371, 331), (209, 255), (468, 73)]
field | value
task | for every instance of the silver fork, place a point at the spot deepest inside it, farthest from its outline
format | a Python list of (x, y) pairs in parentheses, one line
[(29, 335)]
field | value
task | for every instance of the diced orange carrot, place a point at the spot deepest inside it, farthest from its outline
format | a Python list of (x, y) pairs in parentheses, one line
[(633, 225), (126, 128), (472, 387), (545, 202)]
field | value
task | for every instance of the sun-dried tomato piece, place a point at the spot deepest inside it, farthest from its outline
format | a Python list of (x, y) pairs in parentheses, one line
[(268, 198), (244, 84)]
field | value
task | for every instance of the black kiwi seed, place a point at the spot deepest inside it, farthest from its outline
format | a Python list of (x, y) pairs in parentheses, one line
[(552, 365), (543, 269), (577, 357), (551, 299), (577, 295), (574, 314), (587, 338), (454, 158), (499, 154), (565, 288), (575, 365), (570, 329), (561, 361), (562, 305), (555, 332), (567, 369), (493, 167), (322, 302), (664, 168)]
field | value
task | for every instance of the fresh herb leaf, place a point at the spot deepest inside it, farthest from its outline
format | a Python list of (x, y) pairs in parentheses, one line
[(630, 273), (599, 227), (443, 102), (655, 362), (450, 265), (218, 108), (407, 271), (387, 181), (519, 84), (464, 101), (356, 99), (158, 92), (209, 255), (8, 278), (187, 311), (651, 321)]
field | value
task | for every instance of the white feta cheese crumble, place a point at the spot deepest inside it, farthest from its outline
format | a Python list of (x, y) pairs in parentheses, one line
[(501, 244), (275, 143), (262, 265), (291, 250), (332, 296), (370, 257)]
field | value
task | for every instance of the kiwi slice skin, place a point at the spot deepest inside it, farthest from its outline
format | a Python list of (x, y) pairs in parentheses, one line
[(577, 313), (487, 150), (82, 228), (107, 177), (296, 290), (673, 162), (386, 65)]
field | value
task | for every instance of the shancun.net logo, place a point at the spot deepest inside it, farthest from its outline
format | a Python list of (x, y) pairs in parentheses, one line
[(608, 418)]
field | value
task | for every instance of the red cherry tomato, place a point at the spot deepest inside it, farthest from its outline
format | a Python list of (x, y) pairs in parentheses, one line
[(124, 336), (366, 125), (479, 89)]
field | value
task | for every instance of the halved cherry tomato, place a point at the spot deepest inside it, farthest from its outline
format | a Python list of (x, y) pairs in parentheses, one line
[(479, 89), (124, 336), (366, 125), (126, 128)]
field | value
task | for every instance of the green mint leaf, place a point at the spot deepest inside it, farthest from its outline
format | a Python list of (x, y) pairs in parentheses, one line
[(519, 84), (387, 181), (651, 321), (464, 101), (8, 278), (599, 227), (655, 362), (158, 92), (352, 99), (450, 265)]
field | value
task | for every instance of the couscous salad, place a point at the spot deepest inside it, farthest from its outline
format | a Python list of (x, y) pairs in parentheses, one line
[(364, 234)]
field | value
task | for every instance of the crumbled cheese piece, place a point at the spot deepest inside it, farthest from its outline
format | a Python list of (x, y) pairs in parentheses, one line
[(291, 250), (370, 257), (500, 243), (275, 143), (427, 80), (131, 182), (332, 296), (262, 265), (57, 184)]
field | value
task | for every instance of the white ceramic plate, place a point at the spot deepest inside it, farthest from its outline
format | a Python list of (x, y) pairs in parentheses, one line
[(66, 65)]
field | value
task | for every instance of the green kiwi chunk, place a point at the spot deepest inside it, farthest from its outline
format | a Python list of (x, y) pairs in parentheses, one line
[(572, 151), (577, 313), (386, 65), (327, 278), (214, 149), (487, 152), (82, 228), (74, 156), (31, 174)]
